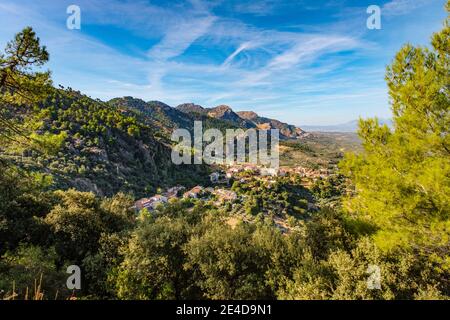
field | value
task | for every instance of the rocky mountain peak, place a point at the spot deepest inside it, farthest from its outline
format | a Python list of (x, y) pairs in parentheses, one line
[(191, 108), (220, 110), (249, 115)]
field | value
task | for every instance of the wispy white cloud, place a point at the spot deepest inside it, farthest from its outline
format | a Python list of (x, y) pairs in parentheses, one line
[(401, 7), (310, 49), (179, 37), (242, 47), (258, 8), (256, 67)]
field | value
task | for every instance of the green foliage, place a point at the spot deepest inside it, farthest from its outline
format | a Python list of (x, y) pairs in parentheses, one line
[(185, 252), (266, 245), (19, 82), (285, 196), (230, 263), (401, 179), (344, 275), (330, 190), (22, 85), (48, 143), (98, 267), (91, 146), (24, 203), (152, 266), (30, 267), (79, 220)]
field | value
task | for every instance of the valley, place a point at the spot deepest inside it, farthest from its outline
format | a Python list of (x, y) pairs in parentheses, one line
[(89, 186)]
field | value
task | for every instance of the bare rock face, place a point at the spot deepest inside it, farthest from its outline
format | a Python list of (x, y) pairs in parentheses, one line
[(248, 115), (224, 112), (287, 131)]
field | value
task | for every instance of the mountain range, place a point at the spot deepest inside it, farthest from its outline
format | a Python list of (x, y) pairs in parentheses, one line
[(124, 144), (166, 118)]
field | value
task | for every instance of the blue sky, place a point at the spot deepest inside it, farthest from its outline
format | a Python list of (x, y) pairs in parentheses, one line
[(302, 62)]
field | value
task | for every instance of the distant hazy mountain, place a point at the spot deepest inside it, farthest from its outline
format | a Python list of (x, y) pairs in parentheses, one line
[(351, 126)]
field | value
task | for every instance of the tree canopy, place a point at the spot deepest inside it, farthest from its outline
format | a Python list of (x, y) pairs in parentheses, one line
[(402, 179), (19, 80)]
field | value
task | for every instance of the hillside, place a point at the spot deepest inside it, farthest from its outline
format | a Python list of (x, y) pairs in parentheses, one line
[(372, 224), (244, 119), (124, 145), (106, 150), (319, 149), (155, 113)]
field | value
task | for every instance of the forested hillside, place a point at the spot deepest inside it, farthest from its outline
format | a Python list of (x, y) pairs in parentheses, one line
[(101, 148), (72, 168), (164, 119)]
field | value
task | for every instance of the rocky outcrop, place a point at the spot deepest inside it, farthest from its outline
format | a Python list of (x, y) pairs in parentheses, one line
[(287, 131)]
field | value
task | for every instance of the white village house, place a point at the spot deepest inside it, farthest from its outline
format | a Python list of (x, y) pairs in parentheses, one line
[(218, 177), (194, 192), (150, 203), (269, 172)]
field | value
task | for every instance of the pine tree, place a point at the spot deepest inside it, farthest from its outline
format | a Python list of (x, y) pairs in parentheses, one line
[(402, 179), (19, 82), (23, 85)]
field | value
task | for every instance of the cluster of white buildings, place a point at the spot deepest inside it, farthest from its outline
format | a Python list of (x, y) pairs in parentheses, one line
[(221, 194), (310, 173), (223, 177), (196, 192), (150, 203), (277, 172), (233, 170), (153, 202)]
